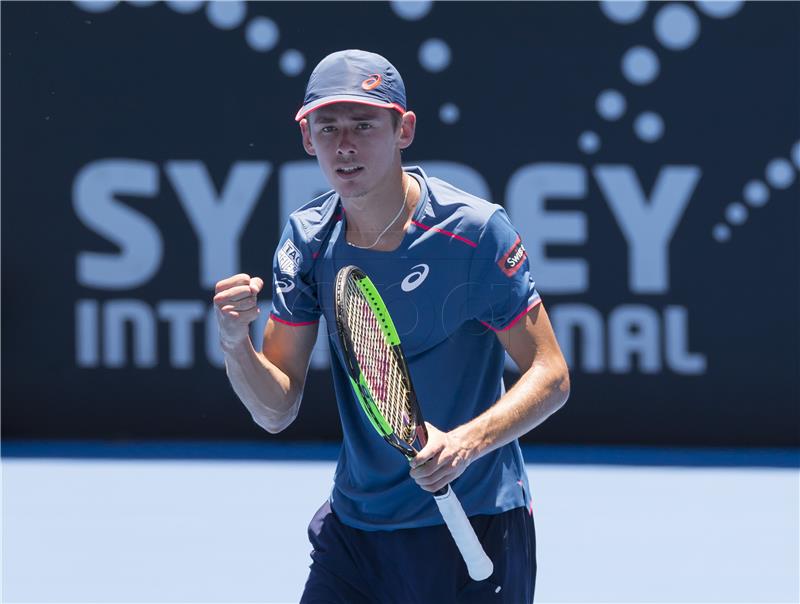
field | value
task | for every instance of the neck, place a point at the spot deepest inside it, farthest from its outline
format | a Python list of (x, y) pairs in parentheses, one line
[(368, 216)]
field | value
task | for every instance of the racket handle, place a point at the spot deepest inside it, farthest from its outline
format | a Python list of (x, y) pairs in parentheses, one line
[(479, 565)]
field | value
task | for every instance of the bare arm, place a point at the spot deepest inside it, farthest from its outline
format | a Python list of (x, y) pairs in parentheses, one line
[(269, 383), (541, 390)]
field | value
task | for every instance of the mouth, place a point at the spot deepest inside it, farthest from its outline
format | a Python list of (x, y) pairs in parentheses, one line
[(348, 170)]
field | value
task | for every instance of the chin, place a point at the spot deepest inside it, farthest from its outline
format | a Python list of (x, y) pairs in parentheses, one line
[(351, 190)]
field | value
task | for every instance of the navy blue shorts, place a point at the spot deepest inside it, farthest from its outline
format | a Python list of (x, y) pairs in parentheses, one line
[(420, 565)]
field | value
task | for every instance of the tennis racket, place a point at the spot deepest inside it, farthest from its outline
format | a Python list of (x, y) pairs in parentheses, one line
[(379, 376)]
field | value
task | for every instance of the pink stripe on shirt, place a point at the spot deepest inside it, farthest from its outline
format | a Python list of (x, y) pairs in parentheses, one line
[(290, 323), (443, 232), (517, 318)]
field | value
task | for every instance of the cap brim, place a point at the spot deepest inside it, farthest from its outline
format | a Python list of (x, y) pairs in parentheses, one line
[(344, 98)]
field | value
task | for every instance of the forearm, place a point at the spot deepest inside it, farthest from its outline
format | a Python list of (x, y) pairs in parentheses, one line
[(272, 398), (539, 393)]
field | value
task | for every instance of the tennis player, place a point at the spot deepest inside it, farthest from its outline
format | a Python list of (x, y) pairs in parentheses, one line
[(455, 278)]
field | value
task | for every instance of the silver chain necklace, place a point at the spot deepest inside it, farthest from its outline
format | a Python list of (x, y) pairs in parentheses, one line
[(383, 232)]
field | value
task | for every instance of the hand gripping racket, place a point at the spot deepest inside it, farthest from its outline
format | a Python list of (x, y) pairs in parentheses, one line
[(379, 376)]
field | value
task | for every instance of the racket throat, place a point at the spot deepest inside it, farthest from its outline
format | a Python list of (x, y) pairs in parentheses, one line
[(402, 446), (422, 433)]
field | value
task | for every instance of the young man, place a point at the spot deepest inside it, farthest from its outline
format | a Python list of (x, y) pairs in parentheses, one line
[(455, 278)]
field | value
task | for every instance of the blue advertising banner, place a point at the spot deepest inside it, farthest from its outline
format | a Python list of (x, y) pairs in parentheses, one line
[(648, 154)]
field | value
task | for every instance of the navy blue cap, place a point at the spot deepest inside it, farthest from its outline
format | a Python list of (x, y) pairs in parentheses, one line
[(354, 76)]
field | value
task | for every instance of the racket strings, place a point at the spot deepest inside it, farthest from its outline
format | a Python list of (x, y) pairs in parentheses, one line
[(378, 363)]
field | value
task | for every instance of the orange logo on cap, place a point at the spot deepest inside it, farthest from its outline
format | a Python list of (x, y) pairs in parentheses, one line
[(373, 81)]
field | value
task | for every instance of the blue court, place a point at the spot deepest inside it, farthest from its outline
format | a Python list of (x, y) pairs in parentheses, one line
[(227, 523)]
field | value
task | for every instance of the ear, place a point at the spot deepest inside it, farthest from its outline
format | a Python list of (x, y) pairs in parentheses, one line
[(408, 126), (305, 131)]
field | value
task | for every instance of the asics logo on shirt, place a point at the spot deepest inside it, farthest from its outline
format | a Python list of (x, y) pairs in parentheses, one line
[(284, 285), (415, 279)]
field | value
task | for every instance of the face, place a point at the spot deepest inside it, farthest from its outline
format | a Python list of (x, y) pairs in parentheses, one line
[(357, 146)]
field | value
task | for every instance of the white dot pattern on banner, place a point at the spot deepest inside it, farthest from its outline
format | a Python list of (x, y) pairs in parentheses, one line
[(623, 13), (721, 232), (185, 6), (780, 174), (434, 55), (640, 65), (796, 154), (449, 113), (736, 213), (411, 10), (649, 126), (292, 62), (756, 193), (589, 142), (720, 9), (262, 34), (227, 14), (95, 6), (610, 105), (676, 26)]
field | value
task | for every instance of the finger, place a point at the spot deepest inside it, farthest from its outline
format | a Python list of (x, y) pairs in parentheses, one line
[(249, 315), (233, 294), (431, 449), (241, 304), (437, 486), (240, 279), (434, 485), (424, 470), (244, 315), (421, 458), (237, 291), (439, 474), (246, 294), (442, 476), (239, 307), (256, 284)]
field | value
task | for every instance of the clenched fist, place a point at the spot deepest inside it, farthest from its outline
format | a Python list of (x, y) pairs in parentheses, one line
[(235, 299)]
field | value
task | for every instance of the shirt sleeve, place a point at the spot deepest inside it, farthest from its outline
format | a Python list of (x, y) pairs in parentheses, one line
[(502, 289), (294, 292)]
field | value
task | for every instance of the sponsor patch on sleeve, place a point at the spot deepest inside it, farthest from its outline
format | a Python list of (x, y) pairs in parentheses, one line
[(289, 259), (512, 260)]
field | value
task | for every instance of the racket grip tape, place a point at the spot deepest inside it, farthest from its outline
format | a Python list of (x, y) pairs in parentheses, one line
[(479, 565)]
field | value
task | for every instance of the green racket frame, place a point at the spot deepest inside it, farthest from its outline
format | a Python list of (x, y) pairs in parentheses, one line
[(357, 379)]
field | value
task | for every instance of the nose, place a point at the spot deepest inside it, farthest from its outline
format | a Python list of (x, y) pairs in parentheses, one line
[(346, 145)]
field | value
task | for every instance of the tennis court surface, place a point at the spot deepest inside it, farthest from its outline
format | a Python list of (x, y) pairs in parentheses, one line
[(227, 523)]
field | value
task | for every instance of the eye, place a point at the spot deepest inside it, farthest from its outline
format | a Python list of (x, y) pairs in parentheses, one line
[(364, 125), (327, 129)]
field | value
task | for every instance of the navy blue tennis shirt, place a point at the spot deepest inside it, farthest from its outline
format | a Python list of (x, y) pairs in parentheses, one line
[(459, 275)]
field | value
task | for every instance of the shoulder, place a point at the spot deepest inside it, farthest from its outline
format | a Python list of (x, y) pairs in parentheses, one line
[(456, 211), (312, 218), (305, 233), (448, 201)]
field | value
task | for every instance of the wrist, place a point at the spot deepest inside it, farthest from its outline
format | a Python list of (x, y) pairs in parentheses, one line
[(233, 344), (471, 437)]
